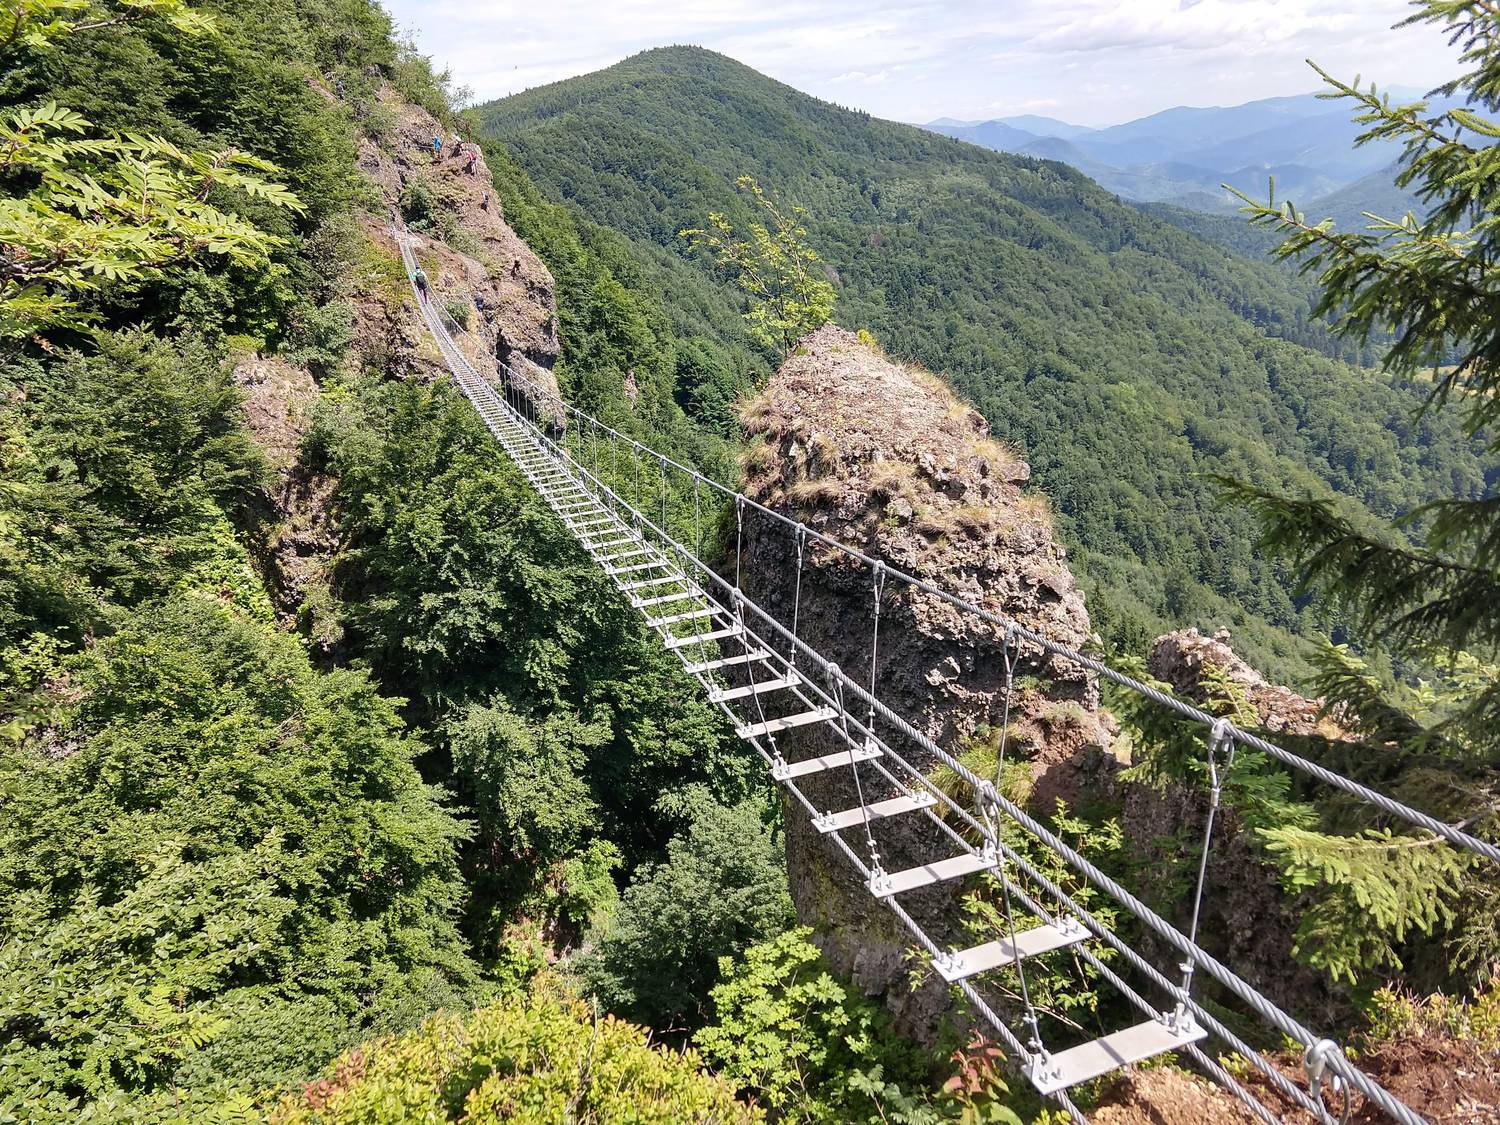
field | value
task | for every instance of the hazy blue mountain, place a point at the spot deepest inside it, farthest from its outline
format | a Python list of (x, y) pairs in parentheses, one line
[(1185, 154), (1324, 141), (1045, 126), (987, 134), (1185, 129), (1376, 193)]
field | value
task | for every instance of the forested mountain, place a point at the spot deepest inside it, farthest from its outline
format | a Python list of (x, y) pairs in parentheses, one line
[(1130, 360)]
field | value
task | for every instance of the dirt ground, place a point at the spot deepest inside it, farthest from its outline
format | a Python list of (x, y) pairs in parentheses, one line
[(1447, 1081)]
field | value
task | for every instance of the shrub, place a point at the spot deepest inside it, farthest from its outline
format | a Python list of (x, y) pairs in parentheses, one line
[(721, 889), (537, 1062), (459, 310)]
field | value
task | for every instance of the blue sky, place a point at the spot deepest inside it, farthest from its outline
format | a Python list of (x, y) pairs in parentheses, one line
[(1093, 62)]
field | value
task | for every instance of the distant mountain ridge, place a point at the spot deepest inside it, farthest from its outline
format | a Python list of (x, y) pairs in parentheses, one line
[(1183, 155)]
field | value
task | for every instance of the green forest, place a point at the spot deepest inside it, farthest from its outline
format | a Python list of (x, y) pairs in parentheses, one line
[(1129, 362), (445, 834)]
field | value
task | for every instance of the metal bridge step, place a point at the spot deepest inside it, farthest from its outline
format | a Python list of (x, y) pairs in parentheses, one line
[(960, 964), (633, 567), (606, 546), (663, 599), (727, 661), (627, 555), (704, 638), (883, 885), (629, 586), (789, 770), (1100, 1056), (837, 821), (721, 695), (677, 618), (592, 521), (786, 722)]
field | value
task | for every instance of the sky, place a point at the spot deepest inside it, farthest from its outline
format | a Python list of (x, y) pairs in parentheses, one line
[(1091, 62)]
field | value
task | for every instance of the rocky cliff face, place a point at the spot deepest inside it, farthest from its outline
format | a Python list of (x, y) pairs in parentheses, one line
[(479, 271), (883, 457), (473, 259)]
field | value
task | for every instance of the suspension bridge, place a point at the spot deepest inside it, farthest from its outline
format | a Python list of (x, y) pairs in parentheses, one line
[(769, 681)]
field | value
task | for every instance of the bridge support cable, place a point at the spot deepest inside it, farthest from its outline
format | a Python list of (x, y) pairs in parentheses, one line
[(745, 658)]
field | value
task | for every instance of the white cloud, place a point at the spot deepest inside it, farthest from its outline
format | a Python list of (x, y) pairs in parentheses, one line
[(919, 59)]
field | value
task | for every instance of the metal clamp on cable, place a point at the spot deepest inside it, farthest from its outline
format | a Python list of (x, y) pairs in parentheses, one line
[(1317, 1061)]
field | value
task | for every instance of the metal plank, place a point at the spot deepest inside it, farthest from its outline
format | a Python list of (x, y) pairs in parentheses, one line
[(687, 615), (786, 771), (883, 884), (704, 638), (727, 661), (629, 586), (960, 964), (1100, 1056), (633, 567), (909, 802), (786, 722), (612, 559), (722, 695), (663, 599)]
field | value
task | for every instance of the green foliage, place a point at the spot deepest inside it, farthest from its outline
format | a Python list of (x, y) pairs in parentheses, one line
[(1126, 358), (117, 469), (1065, 989), (537, 1062), (793, 1038), (37, 24), (1400, 1015), (1369, 898), (721, 888), (528, 780), (255, 83), (219, 867), (114, 211), (617, 325), (1433, 602), (775, 268), (587, 892)]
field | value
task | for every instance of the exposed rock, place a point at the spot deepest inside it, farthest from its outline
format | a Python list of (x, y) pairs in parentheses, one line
[(277, 396), (1166, 1096), (483, 276), (1248, 921), (1180, 659), (885, 459), (503, 294)]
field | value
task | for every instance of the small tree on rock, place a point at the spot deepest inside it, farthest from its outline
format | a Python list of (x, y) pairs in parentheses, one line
[(776, 267)]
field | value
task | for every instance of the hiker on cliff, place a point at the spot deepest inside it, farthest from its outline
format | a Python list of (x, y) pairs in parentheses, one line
[(420, 277), (473, 159), (484, 204), (437, 146)]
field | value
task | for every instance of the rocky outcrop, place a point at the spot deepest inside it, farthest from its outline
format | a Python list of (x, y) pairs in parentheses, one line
[(1248, 920), (883, 457), (485, 278), (1181, 659), (301, 538), (500, 294)]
